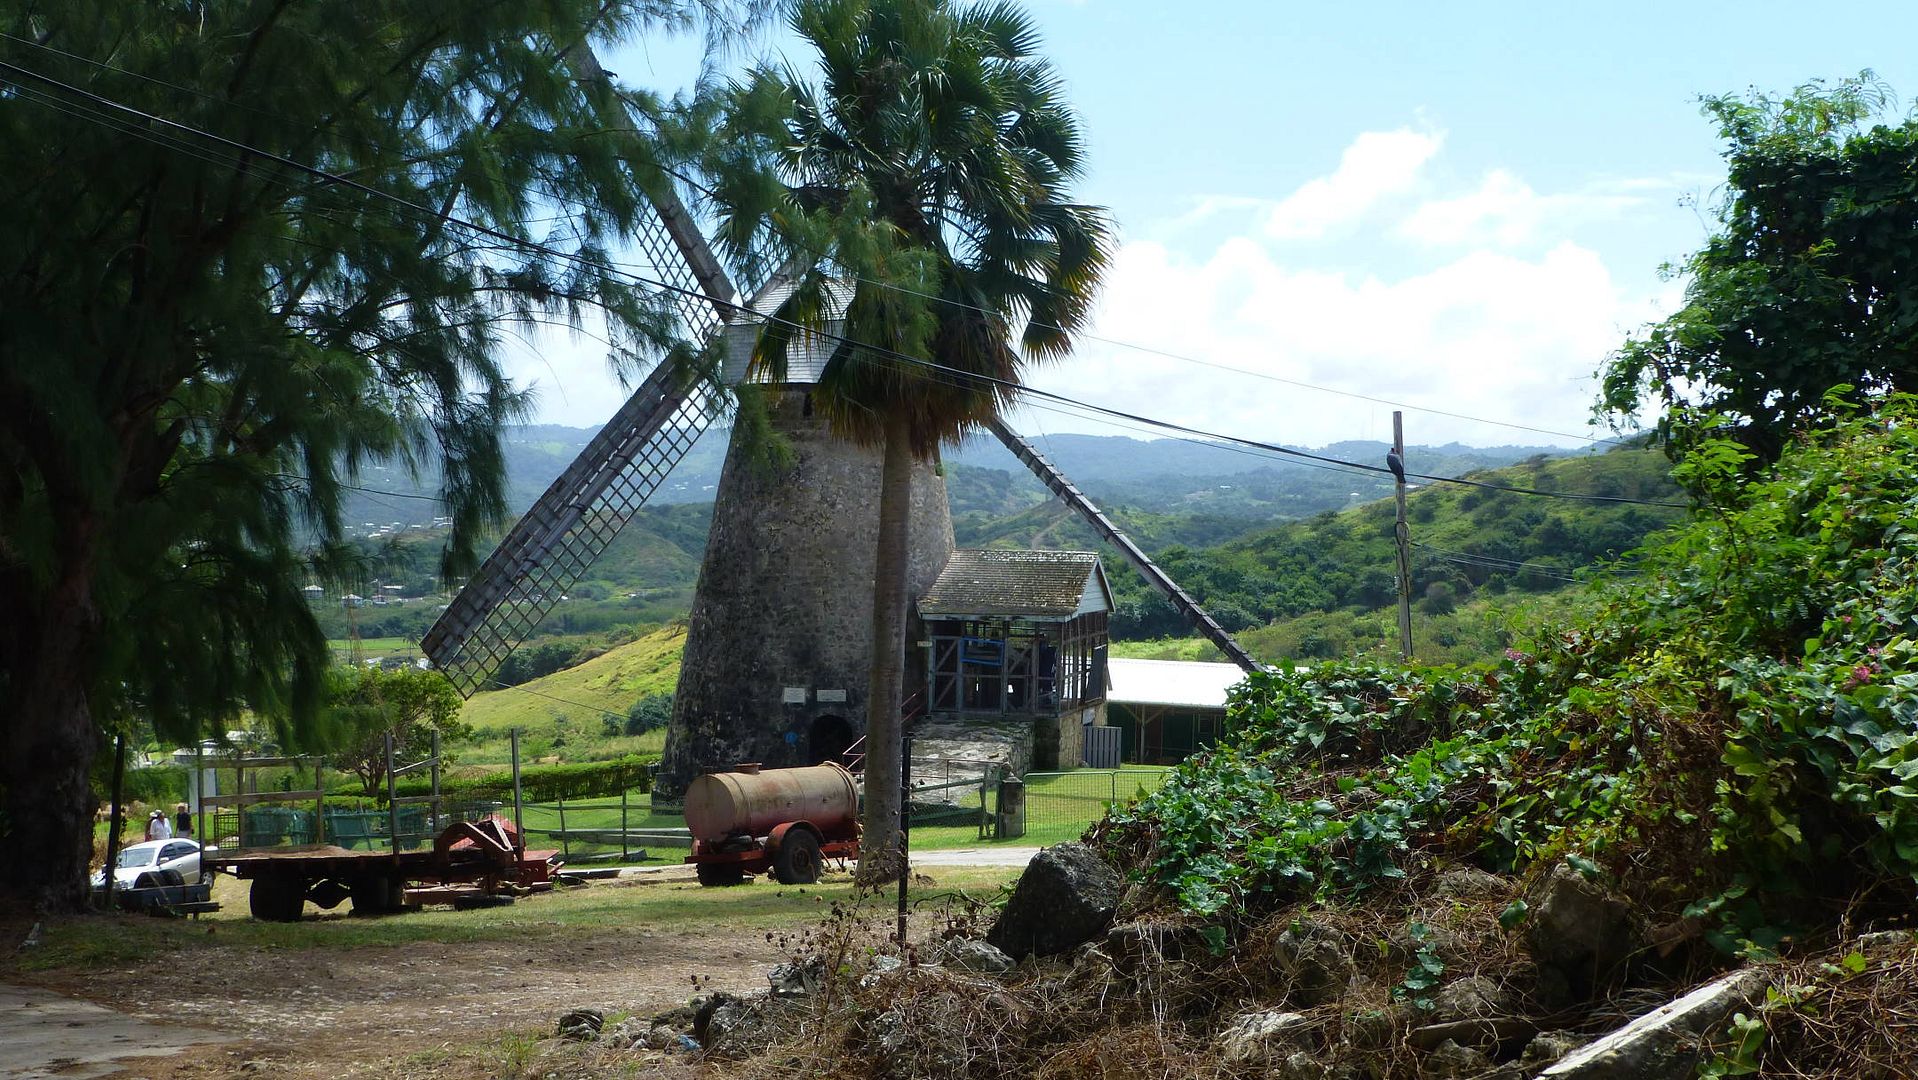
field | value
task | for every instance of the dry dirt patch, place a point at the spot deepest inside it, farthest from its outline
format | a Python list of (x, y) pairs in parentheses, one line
[(462, 995)]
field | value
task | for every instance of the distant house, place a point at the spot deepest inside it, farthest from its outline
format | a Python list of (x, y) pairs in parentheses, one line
[(1168, 708), (1019, 638), (313, 592)]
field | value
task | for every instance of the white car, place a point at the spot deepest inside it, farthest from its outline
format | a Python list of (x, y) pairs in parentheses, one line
[(179, 855)]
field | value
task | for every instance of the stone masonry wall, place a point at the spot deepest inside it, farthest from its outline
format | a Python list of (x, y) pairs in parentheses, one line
[(783, 607)]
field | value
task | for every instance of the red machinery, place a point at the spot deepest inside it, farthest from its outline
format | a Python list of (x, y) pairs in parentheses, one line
[(788, 821)]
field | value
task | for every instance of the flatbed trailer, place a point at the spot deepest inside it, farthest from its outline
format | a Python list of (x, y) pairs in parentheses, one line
[(484, 857)]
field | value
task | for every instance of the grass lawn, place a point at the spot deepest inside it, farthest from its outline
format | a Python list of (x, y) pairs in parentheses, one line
[(99, 941), (1059, 807)]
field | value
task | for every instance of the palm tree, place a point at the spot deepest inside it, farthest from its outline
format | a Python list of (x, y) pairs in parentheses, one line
[(927, 164)]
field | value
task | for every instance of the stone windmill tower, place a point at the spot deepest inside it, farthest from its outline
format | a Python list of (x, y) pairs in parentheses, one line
[(778, 646)]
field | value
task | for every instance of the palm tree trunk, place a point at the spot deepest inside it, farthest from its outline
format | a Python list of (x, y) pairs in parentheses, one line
[(880, 860)]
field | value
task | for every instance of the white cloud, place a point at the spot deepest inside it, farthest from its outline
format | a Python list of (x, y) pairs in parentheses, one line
[(568, 373), (1377, 166), (1489, 334), (1482, 301), (1506, 211)]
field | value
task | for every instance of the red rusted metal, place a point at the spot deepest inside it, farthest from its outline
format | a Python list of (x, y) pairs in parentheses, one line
[(744, 818)]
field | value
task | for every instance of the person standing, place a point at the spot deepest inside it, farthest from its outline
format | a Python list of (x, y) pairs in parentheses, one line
[(157, 827), (182, 821)]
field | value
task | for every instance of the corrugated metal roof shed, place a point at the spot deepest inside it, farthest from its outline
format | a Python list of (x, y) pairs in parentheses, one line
[(1026, 584), (1186, 684)]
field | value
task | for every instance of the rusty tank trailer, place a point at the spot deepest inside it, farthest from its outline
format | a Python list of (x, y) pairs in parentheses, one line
[(751, 820)]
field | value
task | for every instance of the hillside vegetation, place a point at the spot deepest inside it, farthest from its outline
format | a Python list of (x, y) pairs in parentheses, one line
[(564, 715), (1727, 746)]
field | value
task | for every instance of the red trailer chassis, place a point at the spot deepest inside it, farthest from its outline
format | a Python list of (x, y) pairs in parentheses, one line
[(469, 862), (795, 852)]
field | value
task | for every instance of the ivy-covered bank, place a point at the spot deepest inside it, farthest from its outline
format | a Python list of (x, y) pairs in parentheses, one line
[(1728, 737)]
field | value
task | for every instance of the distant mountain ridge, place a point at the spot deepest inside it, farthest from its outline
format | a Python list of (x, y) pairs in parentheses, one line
[(1158, 475)]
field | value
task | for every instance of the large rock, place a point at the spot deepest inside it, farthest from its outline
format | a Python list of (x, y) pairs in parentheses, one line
[(971, 954), (1580, 929), (582, 1024), (1067, 896), (1316, 960), (1260, 1037), (1663, 1044)]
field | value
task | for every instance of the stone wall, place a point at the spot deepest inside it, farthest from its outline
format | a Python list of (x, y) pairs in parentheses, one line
[(780, 630)]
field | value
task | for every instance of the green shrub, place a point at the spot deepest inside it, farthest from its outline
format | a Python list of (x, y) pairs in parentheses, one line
[(1733, 732)]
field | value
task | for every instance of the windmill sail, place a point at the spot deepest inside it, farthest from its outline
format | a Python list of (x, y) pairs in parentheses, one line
[(577, 518), (1069, 493), (554, 543)]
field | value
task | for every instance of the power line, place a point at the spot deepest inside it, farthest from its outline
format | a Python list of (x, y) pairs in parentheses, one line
[(1165, 353), (851, 271), (1496, 563), (1011, 387)]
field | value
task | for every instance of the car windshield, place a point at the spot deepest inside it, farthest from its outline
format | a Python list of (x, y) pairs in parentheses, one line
[(137, 857)]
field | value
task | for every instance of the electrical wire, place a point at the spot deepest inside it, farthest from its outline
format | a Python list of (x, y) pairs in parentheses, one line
[(975, 378), (852, 272)]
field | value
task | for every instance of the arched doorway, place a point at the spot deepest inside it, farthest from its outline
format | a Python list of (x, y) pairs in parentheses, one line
[(828, 739)]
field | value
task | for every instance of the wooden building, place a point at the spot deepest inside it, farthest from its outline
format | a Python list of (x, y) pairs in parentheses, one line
[(1017, 639)]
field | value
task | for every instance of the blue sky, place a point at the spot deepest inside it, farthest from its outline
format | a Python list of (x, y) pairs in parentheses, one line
[(1458, 207)]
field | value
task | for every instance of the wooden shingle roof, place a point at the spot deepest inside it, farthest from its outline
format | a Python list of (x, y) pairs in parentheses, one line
[(1020, 583)]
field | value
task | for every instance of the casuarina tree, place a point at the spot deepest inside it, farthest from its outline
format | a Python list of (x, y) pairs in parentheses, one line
[(229, 279), (925, 163)]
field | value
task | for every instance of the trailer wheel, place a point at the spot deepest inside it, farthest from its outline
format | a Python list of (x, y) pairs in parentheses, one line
[(277, 899), (719, 874), (798, 861), (376, 896)]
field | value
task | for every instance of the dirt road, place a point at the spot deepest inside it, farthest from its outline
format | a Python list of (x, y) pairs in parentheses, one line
[(399, 1011)]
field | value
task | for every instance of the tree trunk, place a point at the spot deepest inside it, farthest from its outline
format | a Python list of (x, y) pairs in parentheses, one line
[(50, 744), (879, 856)]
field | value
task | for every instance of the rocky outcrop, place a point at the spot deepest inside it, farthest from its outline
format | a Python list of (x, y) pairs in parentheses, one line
[(972, 955), (1316, 961), (1257, 1038), (1067, 896)]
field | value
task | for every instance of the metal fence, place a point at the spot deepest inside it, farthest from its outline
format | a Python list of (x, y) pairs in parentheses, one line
[(1052, 800), (613, 828), (626, 828), (275, 824), (1082, 796)]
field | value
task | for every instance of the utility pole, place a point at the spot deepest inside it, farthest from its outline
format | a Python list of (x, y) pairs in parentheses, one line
[(1404, 538)]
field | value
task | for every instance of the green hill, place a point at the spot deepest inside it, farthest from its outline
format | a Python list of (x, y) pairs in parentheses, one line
[(1470, 544), (563, 715)]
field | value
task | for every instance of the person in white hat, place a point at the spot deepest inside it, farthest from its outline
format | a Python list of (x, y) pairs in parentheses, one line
[(157, 826)]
